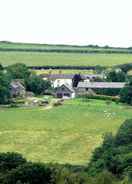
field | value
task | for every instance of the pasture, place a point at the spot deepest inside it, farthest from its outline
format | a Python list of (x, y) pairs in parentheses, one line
[(63, 59), (64, 134)]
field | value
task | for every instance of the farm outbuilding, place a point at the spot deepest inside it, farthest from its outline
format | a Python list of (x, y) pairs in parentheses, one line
[(84, 87), (17, 89)]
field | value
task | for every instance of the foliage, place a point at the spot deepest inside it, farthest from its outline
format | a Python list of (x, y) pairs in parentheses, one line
[(116, 76), (4, 88), (18, 71), (100, 97), (126, 67), (108, 92), (9, 161), (37, 85), (76, 79), (29, 173), (126, 93), (115, 153), (1, 67)]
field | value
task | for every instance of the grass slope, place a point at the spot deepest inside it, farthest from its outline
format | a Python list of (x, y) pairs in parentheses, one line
[(13, 45), (65, 134), (63, 59)]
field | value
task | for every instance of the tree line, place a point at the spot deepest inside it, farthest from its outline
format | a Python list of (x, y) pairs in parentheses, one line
[(62, 50)]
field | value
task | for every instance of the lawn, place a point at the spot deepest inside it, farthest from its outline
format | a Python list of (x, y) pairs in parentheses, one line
[(63, 59), (64, 134)]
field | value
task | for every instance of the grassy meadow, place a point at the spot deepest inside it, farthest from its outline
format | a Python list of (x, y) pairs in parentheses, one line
[(63, 59), (64, 134), (50, 71)]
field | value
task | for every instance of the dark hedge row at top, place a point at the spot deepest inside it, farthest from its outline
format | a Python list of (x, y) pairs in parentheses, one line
[(80, 51)]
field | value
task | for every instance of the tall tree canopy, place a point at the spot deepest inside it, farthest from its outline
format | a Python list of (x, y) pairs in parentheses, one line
[(36, 84), (4, 88), (18, 71), (116, 76), (76, 79), (126, 93)]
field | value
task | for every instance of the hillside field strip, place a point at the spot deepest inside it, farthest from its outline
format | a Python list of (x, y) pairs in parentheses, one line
[(63, 59), (64, 134)]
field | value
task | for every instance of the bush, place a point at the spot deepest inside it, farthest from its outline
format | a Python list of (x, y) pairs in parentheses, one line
[(4, 88), (115, 154), (18, 71), (29, 173), (9, 161), (124, 134), (100, 97), (126, 94), (37, 85)]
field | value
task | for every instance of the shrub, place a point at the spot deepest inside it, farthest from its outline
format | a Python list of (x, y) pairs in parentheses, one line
[(9, 161), (37, 85), (100, 97), (115, 153), (18, 71), (29, 173)]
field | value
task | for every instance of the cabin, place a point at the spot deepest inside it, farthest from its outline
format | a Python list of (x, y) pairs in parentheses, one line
[(64, 91), (17, 89)]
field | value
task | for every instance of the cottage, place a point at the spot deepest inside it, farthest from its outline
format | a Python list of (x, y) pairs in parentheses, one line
[(64, 91), (17, 89)]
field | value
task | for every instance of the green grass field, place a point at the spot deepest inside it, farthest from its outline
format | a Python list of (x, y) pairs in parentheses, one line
[(65, 134), (13, 45), (63, 59), (38, 72)]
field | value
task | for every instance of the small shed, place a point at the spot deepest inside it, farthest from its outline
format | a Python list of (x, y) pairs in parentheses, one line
[(17, 89), (64, 91)]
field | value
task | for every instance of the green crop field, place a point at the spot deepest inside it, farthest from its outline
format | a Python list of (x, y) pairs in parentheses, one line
[(63, 59), (64, 134)]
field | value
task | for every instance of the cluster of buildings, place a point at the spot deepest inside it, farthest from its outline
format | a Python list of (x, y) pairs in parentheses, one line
[(63, 84)]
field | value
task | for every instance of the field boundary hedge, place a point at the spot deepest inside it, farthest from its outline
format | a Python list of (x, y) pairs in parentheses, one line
[(84, 51), (101, 97)]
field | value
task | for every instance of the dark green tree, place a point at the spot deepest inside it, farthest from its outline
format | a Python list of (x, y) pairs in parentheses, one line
[(18, 71), (115, 154), (9, 161), (1, 67), (76, 79), (116, 76), (4, 88), (37, 85), (126, 93), (29, 173)]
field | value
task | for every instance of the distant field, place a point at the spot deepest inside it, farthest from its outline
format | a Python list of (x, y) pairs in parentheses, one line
[(65, 134), (63, 59), (63, 48), (38, 72)]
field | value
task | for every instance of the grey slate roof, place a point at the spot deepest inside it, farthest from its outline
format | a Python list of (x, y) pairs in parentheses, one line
[(67, 86), (16, 84), (103, 85)]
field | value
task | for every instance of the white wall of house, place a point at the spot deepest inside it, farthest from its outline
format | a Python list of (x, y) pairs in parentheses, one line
[(73, 95)]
